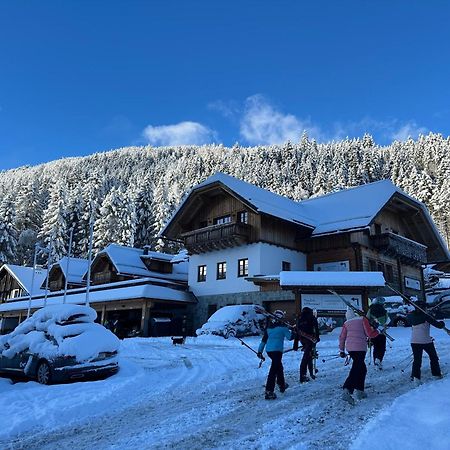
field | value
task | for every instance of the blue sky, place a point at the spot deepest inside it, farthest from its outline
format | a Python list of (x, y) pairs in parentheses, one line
[(82, 76)]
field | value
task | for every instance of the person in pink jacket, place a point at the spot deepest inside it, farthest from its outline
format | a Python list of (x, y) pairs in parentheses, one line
[(355, 332)]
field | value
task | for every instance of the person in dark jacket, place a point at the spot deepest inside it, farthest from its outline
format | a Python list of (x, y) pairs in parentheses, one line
[(273, 341), (307, 323), (421, 340), (378, 315)]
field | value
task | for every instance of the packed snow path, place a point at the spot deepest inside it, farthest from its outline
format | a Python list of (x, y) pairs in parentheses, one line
[(207, 394)]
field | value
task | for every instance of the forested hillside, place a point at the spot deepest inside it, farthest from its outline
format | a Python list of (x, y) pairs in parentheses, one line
[(133, 191)]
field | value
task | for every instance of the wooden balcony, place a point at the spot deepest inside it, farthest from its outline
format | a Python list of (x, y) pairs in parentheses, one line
[(408, 251), (216, 237)]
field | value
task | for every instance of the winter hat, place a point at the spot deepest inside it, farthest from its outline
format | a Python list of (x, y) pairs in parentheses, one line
[(379, 300), (279, 314), (350, 314)]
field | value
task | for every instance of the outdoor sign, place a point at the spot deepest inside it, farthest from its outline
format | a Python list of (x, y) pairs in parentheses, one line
[(412, 283), (334, 266), (329, 302)]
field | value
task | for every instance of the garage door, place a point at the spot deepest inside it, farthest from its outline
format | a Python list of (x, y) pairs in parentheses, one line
[(288, 306)]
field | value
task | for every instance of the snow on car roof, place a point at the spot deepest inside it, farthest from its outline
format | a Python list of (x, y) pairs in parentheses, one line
[(357, 279), (45, 334), (230, 312)]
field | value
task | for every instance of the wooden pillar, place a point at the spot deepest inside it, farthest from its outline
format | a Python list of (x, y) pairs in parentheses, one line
[(103, 316), (146, 307)]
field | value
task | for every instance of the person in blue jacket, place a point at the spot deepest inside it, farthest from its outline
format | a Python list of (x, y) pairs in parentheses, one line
[(273, 341)]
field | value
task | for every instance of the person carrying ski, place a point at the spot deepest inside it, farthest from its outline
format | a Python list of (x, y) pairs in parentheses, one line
[(378, 315), (273, 341), (355, 332), (307, 323), (421, 340)]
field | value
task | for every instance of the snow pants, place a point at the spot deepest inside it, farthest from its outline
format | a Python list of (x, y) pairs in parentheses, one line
[(357, 376), (306, 362), (276, 372), (417, 362), (379, 346)]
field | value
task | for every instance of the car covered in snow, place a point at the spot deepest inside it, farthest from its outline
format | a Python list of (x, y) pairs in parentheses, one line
[(59, 343), (440, 306), (234, 321)]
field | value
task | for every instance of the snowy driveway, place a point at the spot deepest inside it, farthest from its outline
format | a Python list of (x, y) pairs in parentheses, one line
[(208, 394)]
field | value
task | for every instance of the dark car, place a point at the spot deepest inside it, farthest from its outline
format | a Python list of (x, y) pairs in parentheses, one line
[(440, 307), (59, 343), (397, 312)]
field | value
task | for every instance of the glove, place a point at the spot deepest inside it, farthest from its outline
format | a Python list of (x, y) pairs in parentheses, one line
[(259, 355), (440, 324), (342, 354)]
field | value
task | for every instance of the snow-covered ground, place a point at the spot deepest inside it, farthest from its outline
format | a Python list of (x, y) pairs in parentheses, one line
[(208, 394)]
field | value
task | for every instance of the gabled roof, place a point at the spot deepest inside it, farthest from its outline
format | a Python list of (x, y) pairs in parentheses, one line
[(261, 200), (350, 208), (77, 269), (128, 261), (24, 276)]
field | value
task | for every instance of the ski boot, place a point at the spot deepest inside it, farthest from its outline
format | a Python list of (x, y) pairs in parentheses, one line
[(347, 397), (270, 395), (304, 379), (283, 388), (360, 394)]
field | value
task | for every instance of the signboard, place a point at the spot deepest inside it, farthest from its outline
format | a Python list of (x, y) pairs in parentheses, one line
[(329, 302), (412, 283), (334, 266)]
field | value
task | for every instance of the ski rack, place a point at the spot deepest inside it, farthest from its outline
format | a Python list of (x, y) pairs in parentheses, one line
[(261, 310), (410, 302), (361, 313)]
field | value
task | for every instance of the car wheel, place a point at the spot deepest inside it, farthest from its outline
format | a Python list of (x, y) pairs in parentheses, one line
[(230, 333), (43, 373), (401, 323)]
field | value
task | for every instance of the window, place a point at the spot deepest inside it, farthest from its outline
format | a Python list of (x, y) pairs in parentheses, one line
[(243, 267), (242, 217), (221, 220), (377, 228), (221, 270), (201, 273), (285, 266)]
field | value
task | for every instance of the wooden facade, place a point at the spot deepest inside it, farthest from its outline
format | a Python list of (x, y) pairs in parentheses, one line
[(9, 287)]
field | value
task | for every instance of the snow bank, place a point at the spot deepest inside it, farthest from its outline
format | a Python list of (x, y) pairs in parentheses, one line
[(50, 333), (425, 410)]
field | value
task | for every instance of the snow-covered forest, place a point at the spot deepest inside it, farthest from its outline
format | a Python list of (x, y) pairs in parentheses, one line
[(133, 190)]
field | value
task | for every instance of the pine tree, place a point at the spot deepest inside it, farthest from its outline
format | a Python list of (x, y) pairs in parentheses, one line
[(145, 220), (8, 233)]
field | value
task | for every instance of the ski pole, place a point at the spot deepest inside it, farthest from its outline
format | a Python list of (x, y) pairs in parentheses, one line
[(331, 358), (262, 359)]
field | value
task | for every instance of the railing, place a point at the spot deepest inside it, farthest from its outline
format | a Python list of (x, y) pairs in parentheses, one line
[(217, 236), (400, 247)]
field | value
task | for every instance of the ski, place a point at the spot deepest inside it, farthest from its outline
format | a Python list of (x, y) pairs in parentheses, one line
[(358, 312), (261, 358), (410, 302), (261, 310)]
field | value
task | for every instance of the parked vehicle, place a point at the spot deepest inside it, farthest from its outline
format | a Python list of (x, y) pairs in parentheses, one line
[(440, 306), (234, 320), (59, 343), (397, 312)]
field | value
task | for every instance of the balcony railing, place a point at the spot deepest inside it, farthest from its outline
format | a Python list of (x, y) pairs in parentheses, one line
[(408, 251), (216, 237)]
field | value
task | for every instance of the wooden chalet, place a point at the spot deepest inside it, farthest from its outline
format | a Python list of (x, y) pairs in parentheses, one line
[(375, 227)]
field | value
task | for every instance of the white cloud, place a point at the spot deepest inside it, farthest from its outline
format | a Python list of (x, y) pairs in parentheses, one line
[(183, 133), (409, 129), (261, 123)]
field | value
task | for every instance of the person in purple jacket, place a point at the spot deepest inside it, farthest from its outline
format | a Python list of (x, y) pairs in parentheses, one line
[(355, 332)]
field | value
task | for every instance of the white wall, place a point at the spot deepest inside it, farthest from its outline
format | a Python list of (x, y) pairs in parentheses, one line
[(263, 259)]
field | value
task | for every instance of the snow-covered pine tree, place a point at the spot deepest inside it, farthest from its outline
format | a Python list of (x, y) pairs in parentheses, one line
[(8, 233), (117, 220), (145, 233), (53, 234)]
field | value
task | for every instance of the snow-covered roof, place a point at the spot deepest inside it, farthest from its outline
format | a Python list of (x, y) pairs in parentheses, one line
[(77, 269), (129, 261), (349, 208), (260, 199), (356, 279), (99, 294), (24, 276)]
